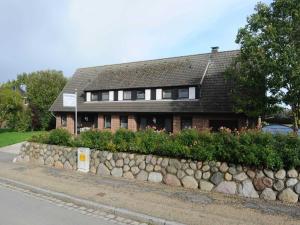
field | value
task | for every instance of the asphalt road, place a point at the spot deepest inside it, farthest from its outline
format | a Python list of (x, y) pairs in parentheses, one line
[(17, 208)]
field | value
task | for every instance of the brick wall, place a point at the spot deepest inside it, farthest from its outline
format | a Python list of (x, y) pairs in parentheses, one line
[(132, 123), (200, 123), (100, 122), (115, 123), (70, 123), (176, 124)]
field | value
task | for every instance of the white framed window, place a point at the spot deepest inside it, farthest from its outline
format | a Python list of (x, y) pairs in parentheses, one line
[(107, 121), (120, 95), (192, 92), (148, 94), (167, 94), (88, 96), (140, 94), (105, 96), (127, 95), (111, 95), (124, 122), (63, 121), (183, 93), (95, 96)]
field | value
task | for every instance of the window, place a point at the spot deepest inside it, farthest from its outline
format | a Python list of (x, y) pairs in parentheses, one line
[(105, 96), (140, 94), (167, 94), (183, 93), (127, 95), (186, 123), (124, 122), (95, 96), (63, 121), (107, 121)]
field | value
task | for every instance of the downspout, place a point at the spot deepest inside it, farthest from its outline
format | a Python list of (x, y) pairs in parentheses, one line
[(204, 74)]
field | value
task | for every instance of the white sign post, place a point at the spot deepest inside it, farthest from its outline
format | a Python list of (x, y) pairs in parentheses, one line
[(83, 159), (70, 100)]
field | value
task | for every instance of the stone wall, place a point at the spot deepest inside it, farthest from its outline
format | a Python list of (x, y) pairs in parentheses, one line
[(207, 176)]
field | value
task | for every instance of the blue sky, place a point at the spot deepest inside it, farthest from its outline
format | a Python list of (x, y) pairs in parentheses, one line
[(69, 34)]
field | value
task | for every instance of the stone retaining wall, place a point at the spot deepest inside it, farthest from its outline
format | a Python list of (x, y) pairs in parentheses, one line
[(207, 176)]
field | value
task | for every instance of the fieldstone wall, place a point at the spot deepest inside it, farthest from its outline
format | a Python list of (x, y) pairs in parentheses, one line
[(49, 155), (207, 176)]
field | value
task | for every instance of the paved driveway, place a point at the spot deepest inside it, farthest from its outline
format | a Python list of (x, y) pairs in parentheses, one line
[(14, 149)]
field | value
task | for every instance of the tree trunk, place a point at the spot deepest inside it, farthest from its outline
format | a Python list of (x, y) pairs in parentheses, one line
[(295, 119)]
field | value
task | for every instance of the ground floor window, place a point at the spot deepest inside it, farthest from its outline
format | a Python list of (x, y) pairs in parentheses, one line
[(186, 123), (63, 121), (159, 122), (124, 122), (107, 121), (215, 125)]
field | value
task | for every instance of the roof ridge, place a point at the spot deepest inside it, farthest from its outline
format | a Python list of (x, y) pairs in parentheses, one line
[(151, 60)]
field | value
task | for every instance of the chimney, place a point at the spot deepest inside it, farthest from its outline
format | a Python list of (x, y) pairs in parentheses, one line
[(214, 49)]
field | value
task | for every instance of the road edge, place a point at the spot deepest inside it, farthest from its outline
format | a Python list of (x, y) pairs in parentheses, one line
[(122, 212)]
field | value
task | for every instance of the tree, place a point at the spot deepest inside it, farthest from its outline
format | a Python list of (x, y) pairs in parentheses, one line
[(10, 103), (42, 88), (267, 71)]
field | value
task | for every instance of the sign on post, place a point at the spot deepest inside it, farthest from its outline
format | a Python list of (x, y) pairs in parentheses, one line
[(69, 100), (83, 159)]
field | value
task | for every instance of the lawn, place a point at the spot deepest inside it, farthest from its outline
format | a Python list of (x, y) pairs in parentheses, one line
[(8, 137)]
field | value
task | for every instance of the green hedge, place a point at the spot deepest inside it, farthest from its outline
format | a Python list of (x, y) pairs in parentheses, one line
[(251, 148)]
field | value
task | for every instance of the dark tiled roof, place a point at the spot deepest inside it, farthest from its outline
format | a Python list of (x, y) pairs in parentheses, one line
[(177, 71)]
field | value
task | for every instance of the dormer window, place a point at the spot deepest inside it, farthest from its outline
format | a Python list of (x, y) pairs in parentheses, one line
[(95, 96), (167, 94), (183, 93), (140, 94), (127, 95), (105, 96)]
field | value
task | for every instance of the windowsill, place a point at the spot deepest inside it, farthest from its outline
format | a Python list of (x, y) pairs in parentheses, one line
[(160, 100)]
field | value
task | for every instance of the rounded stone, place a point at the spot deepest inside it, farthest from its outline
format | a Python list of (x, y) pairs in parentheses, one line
[(117, 172), (291, 182), (297, 188), (58, 165), (246, 189), (189, 172), (251, 174), (292, 173), (67, 165), (205, 185), (165, 162), (224, 167), (103, 170), (288, 195), (120, 163), (159, 160), (240, 177), (259, 184), (135, 170), (149, 168), (269, 173), (226, 187), (175, 163), (268, 194), (205, 168), (180, 174), (206, 175), (155, 177), (172, 180), (128, 175), (198, 174), (153, 160), (199, 165), (268, 182), (193, 166), (126, 168), (142, 176), (217, 178), (157, 168), (232, 170), (189, 182), (142, 165), (228, 176), (171, 169), (280, 174), (278, 185)]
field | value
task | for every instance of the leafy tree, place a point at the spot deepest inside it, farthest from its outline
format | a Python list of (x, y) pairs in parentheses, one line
[(42, 88), (11, 102), (267, 71)]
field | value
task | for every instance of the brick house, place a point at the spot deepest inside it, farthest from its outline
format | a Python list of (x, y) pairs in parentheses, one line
[(171, 94)]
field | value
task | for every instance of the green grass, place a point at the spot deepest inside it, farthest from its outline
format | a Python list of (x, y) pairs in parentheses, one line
[(8, 137)]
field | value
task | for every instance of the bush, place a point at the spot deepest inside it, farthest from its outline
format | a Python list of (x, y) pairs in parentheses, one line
[(249, 148), (59, 137), (101, 140), (41, 138)]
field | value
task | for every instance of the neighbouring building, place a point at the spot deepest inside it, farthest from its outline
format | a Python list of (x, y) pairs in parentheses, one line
[(170, 93)]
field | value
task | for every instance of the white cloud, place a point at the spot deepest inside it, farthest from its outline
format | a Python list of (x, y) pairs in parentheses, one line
[(119, 30)]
